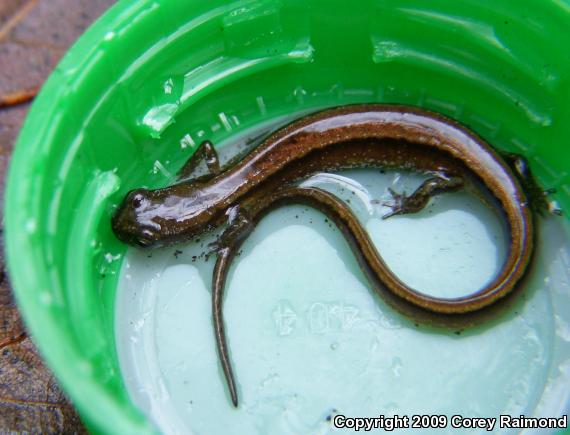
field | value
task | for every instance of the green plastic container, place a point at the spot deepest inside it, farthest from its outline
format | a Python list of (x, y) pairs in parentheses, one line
[(151, 78)]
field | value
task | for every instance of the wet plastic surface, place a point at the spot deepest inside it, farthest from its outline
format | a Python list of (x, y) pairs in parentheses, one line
[(33, 37), (137, 93)]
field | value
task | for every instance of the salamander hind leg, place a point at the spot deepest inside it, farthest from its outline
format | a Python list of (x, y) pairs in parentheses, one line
[(537, 196), (240, 225), (419, 199)]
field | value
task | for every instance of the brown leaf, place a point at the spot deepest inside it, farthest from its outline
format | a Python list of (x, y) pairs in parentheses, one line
[(11, 13), (30, 399), (18, 97), (8, 9)]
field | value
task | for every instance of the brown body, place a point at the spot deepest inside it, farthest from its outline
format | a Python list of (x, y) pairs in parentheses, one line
[(383, 136)]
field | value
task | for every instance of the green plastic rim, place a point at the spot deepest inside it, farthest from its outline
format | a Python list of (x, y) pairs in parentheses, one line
[(150, 78)]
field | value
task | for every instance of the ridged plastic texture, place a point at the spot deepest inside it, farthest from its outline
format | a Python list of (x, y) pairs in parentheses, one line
[(136, 94)]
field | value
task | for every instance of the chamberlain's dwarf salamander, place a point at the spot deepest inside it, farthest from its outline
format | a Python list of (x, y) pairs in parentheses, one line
[(383, 136)]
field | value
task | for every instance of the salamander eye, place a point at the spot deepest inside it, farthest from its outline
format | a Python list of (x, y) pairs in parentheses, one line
[(137, 200)]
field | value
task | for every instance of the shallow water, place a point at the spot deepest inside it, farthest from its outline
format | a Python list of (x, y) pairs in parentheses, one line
[(309, 338)]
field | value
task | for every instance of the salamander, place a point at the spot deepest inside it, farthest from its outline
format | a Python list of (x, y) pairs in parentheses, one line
[(368, 135)]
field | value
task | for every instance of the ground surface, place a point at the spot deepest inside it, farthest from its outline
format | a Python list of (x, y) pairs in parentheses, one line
[(34, 34)]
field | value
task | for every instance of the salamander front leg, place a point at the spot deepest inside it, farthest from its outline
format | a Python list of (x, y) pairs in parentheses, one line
[(417, 201), (227, 247), (205, 153)]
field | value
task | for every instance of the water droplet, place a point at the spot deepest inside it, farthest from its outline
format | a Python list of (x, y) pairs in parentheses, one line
[(159, 167), (109, 36), (187, 141), (167, 86), (31, 226), (46, 297), (109, 258)]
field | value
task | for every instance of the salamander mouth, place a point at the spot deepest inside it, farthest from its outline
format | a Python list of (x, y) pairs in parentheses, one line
[(141, 239)]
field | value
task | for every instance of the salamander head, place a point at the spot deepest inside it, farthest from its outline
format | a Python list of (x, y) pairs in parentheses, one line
[(152, 218), (129, 223)]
